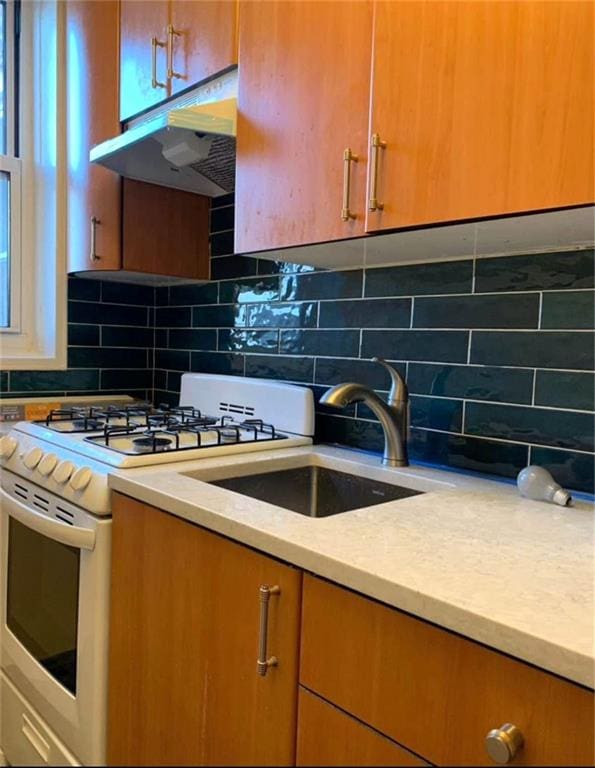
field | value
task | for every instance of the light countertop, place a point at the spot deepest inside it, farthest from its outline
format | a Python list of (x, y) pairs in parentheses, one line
[(468, 554)]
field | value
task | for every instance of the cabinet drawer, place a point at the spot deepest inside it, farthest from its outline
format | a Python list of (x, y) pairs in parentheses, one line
[(433, 691), (329, 737)]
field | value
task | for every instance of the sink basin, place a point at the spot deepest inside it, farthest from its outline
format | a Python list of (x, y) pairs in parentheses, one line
[(315, 491)]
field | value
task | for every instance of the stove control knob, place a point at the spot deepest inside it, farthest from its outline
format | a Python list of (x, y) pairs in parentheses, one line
[(81, 478), (47, 465), (63, 472), (32, 458), (8, 446)]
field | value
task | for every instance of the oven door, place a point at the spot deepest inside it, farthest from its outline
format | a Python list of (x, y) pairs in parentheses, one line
[(55, 583)]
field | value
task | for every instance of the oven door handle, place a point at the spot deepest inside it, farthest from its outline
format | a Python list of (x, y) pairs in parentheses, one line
[(73, 536)]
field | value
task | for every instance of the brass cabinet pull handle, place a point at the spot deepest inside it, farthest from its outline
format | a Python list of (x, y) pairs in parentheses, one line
[(376, 144), (263, 663), (348, 158), (503, 743), (170, 51), (154, 45), (93, 252)]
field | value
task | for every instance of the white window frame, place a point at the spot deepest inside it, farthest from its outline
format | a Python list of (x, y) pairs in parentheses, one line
[(36, 338)]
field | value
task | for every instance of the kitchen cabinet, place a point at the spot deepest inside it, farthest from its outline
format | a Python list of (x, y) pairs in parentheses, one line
[(165, 231), (168, 45), (481, 108), (184, 639), (304, 86), (431, 690), (204, 40), (116, 225), (93, 193), (327, 736)]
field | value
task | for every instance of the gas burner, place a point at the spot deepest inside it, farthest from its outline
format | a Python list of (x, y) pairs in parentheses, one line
[(152, 443), (87, 424)]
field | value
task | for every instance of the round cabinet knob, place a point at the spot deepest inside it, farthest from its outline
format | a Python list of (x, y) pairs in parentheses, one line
[(47, 464), (63, 471), (503, 743), (81, 478), (32, 458), (8, 446)]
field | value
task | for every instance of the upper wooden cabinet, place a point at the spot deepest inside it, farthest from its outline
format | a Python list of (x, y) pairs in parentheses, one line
[(143, 55), (168, 45), (93, 193), (486, 108), (204, 40), (303, 101), (184, 641), (165, 231)]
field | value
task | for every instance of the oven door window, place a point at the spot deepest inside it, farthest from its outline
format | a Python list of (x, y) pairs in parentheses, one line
[(42, 600)]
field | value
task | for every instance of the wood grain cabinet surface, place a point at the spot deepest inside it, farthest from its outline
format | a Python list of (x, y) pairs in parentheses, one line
[(167, 46), (165, 231), (184, 644), (486, 108), (304, 85), (93, 193), (328, 736), (431, 690)]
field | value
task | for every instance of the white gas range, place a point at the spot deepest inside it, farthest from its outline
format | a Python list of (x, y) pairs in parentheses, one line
[(56, 538)]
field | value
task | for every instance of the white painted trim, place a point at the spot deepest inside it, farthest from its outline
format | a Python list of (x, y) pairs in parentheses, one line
[(40, 342)]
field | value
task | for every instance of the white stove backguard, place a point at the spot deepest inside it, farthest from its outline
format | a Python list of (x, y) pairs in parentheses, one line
[(288, 407)]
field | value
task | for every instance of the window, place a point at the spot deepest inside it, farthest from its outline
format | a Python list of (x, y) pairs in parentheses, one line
[(10, 177), (32, 184)]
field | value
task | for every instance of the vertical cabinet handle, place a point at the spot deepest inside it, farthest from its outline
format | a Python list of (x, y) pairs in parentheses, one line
[(348, 158), (93, 252), (171, 32), (154, 45), (263, 663), (376, 144)]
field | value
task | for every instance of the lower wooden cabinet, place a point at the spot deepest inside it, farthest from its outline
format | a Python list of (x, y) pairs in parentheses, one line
[(329, 737), (376, 686), (184, 640), (433, 691)]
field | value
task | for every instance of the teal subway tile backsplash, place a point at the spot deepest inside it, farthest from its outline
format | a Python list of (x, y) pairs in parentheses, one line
[(497, 352)]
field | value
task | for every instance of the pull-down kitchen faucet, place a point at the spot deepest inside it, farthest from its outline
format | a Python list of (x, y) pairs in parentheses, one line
[(392, 415)]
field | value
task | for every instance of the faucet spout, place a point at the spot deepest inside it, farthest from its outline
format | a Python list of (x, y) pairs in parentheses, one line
[(392, 415)]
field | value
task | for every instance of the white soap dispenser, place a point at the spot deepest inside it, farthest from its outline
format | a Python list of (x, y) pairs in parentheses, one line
[(537, 483)]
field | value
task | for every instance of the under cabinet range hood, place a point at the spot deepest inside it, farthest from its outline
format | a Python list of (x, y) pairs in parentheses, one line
[(187, 143)]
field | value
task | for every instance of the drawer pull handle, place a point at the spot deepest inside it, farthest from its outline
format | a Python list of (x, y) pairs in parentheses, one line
[(263, 663), (154, 45), (376, 146), (171, 33), (93, 253), (348, 158), (503, 743)]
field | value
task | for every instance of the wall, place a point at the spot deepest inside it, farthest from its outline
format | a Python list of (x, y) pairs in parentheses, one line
[(497, 351)]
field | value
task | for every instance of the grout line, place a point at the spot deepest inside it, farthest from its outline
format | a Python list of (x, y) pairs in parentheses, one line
[(534, 386), (469, 347), (412, 312), (540, 311)]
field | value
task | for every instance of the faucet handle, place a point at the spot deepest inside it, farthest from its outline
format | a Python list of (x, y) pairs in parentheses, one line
[(398, 390)]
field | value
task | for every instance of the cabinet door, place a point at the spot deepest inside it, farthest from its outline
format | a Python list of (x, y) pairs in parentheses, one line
[(204, 40), (165, 231), (92, 116), (486, 108), (329, 737), (140, 58), (183, 647), (303, 100), (435, 692)]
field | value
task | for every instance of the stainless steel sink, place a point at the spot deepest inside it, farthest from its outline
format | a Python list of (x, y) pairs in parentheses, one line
[(315, 491)]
